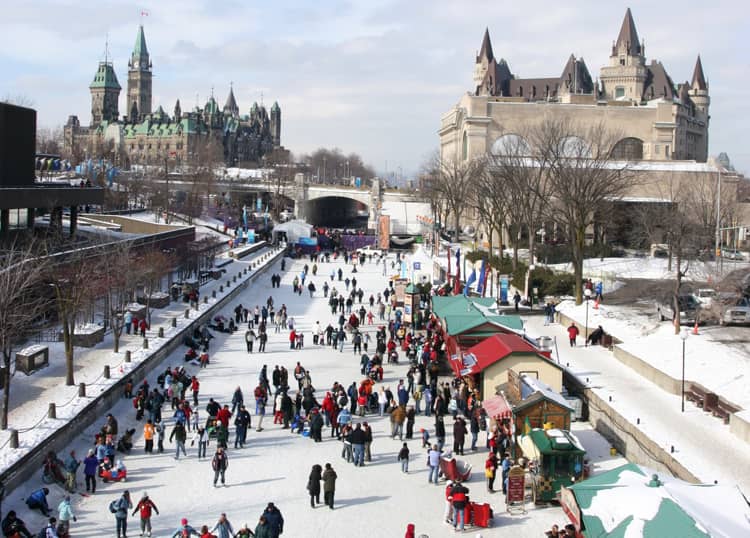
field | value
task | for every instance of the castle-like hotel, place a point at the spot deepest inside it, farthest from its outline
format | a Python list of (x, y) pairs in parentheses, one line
[(144, 136), (658, 120)]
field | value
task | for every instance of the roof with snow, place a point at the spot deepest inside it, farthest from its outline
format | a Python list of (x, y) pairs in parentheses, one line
[(477, 314), (626, 501), (534, 390), (494, 349)]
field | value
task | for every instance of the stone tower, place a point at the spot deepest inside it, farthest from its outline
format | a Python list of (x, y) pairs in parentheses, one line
[(276, 124), (624, 78), (484, 59), (105, 94), (139, 79), (699, 89)]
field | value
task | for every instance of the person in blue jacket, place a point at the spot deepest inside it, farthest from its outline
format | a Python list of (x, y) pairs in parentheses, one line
[(38, 499), (185, 530)]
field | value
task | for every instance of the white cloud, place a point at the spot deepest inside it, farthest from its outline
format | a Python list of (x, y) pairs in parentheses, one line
[(366, 76)]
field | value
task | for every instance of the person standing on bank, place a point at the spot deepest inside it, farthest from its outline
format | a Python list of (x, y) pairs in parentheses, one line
[(573, 334), (329, 485), (313, 484), (249, 339)]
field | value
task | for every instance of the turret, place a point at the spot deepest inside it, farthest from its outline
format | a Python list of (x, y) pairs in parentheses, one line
[(105, 94), (699, 89), (276, 124), (483, 60)]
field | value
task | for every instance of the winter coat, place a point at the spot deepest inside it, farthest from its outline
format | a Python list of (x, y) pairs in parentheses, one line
[(313, 482), (263, 530), (65, 511), (220, 462), (178, 433), (224, 529), (329, 481), (398, 415), (275, 522), (122, 506), (459, 430), (145, 506), (90, 464)]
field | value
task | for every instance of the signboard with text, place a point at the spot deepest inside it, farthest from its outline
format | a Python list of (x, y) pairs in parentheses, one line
[(515, 499)]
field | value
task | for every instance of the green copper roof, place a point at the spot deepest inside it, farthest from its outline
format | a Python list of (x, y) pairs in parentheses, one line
[(140, 44), (275, 106), (105, 77)]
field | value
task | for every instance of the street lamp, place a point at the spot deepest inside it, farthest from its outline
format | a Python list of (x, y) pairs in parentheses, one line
[(587, 294), (683, 336)]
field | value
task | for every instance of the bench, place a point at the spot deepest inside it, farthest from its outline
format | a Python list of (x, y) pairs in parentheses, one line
[(723, 410), (696, 394), (32, 358)]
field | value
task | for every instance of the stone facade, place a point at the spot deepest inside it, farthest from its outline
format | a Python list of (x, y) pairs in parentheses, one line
[(656, 120), (144, 136)]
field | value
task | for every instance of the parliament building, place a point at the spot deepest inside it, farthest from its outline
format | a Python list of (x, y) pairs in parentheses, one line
[(146, 136)]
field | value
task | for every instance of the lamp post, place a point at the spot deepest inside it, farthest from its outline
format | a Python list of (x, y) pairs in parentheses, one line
[(587, 294), (683, 336)]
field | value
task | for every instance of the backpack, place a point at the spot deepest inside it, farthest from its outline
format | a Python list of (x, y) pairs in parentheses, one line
[(113, 507)]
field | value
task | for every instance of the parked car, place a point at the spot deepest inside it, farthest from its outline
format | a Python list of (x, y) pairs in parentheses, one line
[(690, 309), (738, 312), (732, 255), (705, 296)]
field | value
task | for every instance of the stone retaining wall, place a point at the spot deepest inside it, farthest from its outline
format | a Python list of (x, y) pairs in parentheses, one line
[(30, 464)]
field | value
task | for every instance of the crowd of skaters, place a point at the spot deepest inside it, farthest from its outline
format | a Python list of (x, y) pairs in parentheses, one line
[(298, 410)]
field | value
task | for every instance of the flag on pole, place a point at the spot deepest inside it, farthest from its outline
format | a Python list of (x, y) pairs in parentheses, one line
[(482, 278), (457, 278), (470, 281), (144, 13), (449, 263)]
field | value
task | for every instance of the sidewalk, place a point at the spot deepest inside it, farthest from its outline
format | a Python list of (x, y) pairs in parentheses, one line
[(30, 395), (703, 444)]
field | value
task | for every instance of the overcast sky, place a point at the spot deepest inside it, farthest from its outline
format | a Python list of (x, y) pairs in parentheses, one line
[(369, 76)]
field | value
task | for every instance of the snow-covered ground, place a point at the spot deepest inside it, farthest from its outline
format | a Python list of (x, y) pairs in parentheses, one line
[(375, 500)]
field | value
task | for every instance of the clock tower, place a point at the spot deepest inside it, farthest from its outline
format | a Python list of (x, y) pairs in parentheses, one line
[(139, 80)]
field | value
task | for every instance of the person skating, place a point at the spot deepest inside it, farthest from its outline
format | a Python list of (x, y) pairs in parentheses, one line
[(263, 528), (185, 530), (145, 506), (178, 436), (249, 339), (329, 485), (64, 515), (403, 458), (90, 467), (12, 525), (120, 508), (223, 527), (201, 435), (219, 463), (459, 496), (275, 520), (313, 484), (241, 423)]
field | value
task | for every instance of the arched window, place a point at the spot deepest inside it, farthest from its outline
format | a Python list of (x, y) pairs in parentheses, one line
[(574, 147), (465, 147), (628, 149), (510, 144)]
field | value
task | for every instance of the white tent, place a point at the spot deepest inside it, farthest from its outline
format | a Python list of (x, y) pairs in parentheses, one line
[(294, 229)]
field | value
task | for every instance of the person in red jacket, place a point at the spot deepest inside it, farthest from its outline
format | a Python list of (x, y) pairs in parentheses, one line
[(327, 407), (292, 339), (224, 415), (409, 531), (145, 506), (195, 387), (573, 334), (143, 326)]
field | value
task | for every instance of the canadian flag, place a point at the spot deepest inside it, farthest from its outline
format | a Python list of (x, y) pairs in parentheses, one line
[(144, 13)]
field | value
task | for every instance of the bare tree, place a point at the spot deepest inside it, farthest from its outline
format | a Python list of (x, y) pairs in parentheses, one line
[(49, 140), (116, 278), (582, 178), (452, 181), (21, 301), (152, 266), (70, 278)]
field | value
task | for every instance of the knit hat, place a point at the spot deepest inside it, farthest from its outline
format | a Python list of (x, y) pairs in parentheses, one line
[(183, 521)]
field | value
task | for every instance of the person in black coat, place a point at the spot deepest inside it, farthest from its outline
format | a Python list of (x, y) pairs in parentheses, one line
[(313, 484)]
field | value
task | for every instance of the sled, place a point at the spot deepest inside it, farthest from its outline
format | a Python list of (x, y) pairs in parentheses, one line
[(481, 514), (451, 469)]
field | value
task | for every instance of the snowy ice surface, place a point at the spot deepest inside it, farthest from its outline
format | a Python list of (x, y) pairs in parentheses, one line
[(375, 500)]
